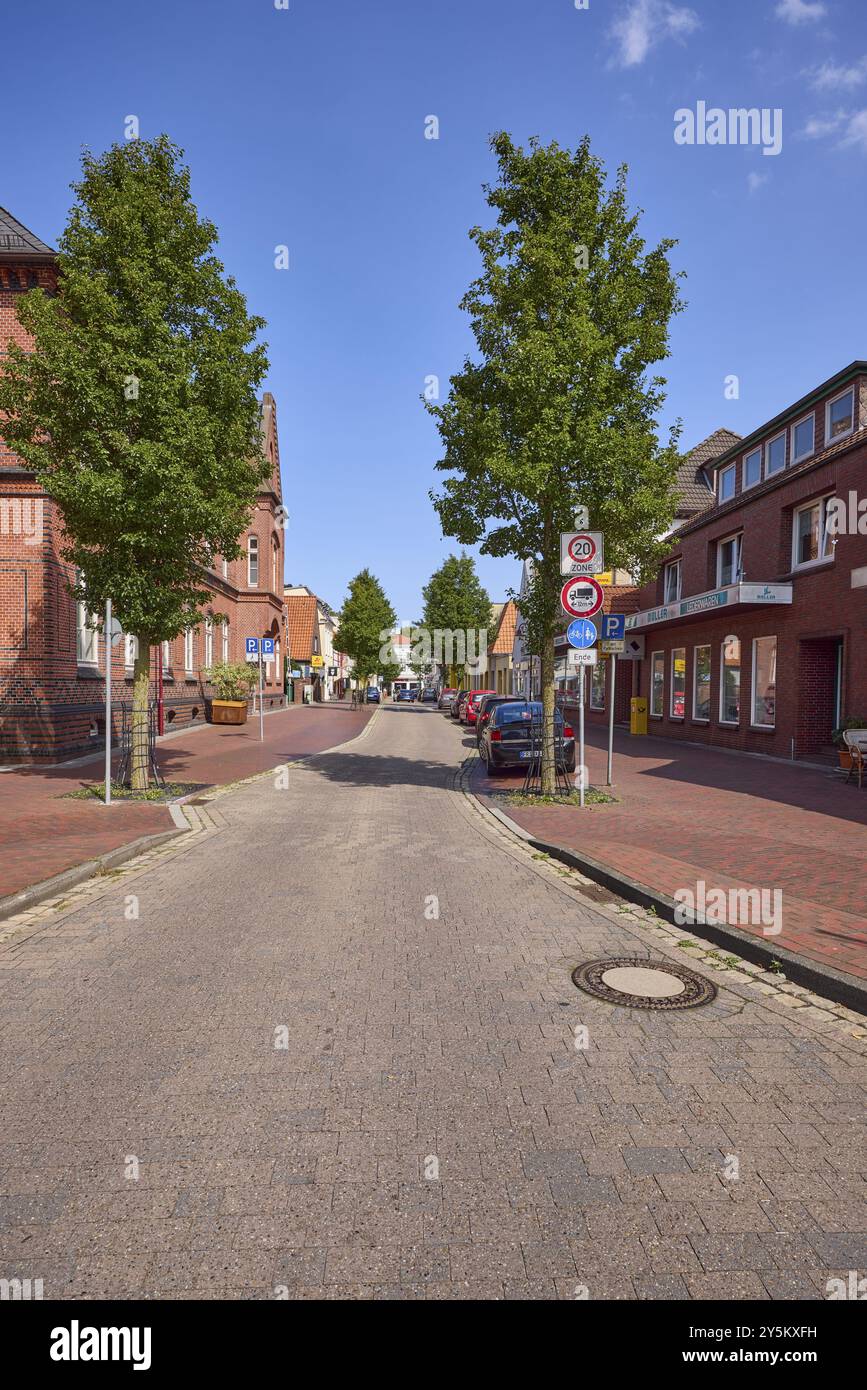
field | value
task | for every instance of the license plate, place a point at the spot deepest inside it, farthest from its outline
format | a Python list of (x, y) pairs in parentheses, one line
[(525, 753)]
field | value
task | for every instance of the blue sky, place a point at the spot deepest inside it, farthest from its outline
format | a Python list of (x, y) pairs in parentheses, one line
[(305, 126)]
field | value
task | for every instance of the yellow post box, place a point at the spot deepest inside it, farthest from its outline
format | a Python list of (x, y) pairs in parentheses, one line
[(638, 715)]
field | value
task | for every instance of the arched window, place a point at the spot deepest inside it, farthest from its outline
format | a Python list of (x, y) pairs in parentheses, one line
[(253, 562)]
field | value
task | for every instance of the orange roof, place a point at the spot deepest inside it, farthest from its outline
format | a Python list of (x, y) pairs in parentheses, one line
[(621, 598), (505, 635), (301, 609)]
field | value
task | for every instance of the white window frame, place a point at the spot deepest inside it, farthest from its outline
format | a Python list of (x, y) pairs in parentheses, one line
[(671, 692), (730, 723), (723, 473), (275, 553), (226, 639), (209, 643), (676, 566), (805, 419), (702, 647), (822, 558), (726, 540), (130, 650), (652, 691), (189, 651), (167, 657), (86, 636), (754, 724), (225, 567), (745, 484), (252, 562), (768, 445), (832, 439)]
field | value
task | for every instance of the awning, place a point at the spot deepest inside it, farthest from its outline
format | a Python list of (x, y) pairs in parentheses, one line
[(735, 596)]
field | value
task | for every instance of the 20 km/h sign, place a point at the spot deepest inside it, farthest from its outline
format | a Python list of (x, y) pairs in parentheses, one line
[(581, 598), (581, 552)]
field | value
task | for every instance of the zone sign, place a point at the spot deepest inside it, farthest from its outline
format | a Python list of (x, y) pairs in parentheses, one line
[(581, 552)]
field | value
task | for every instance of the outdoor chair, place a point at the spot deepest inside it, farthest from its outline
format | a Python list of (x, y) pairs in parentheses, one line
[(856, 742)]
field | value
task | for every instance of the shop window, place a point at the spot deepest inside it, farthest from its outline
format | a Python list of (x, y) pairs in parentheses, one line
[(678, 682), (764, 682), (730, 681), (701, 683), (657, 683)]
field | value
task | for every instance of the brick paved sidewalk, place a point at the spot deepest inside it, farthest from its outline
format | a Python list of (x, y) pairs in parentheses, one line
[(42, 834), (690, 814)]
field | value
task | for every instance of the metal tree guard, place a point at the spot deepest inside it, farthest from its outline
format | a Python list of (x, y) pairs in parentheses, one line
[(124, 770), (533, 778)]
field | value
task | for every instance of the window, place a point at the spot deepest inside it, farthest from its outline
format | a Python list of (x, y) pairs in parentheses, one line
[(764, 681), (775, 455), (701, 683), (597, 686), (253, 562), (803, 438), (225, 568), (275, 556), (86, 633), (730, 681), (167, 656), (671, 582), (189, 652), (130, 650), (752, 468), (209, 642), (726, 483), (812, 540), (678, 682), (225, 639), (840, 416), (657, 682), (728, 561)]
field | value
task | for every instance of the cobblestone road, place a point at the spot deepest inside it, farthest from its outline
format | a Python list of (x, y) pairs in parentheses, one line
[(287, 1073)]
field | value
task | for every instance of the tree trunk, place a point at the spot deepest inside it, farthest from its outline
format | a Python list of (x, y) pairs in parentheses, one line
[(139, 761)]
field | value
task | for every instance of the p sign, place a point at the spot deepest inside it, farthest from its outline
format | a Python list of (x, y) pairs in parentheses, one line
[(581, 598), (251, 648), (581, 552), (268, 646)]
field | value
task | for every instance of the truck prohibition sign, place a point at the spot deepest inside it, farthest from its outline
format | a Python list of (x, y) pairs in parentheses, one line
[(581, 598)]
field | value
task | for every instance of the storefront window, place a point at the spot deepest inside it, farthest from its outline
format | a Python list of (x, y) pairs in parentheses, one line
[(678, 682), (597, 686), (701, 683), (765, 682), (657, 682), (730, 681)]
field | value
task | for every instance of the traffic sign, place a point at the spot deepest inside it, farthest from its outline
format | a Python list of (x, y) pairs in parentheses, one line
[(633, 648), (614, 627), (612, 646), (581, 598), (267, 646), (588, 657), (581, 633), (581, 552), (251, 647)]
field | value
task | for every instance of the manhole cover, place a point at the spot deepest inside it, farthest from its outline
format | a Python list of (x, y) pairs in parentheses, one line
[(643, 984)]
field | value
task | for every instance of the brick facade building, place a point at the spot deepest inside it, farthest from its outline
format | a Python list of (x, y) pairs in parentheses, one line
[(52, 662), (755, 624)]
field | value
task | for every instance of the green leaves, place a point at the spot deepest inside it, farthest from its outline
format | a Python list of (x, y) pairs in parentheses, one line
[(366, 614)]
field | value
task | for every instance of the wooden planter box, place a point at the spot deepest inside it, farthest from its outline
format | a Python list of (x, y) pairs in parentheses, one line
[(845, 758), (228, 711)]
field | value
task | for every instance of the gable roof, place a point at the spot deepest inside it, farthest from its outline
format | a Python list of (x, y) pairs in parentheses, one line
[(301, 625), (18, 243), (504, 637), (695, 491)]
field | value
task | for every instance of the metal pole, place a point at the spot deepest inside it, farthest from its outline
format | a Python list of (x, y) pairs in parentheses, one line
[(108, 702), (261, 701), (581, 736), (611, 719)]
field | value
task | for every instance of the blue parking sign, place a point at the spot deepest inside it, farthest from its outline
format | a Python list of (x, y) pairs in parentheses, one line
[(267, 646), (613, 627), (251, 646)]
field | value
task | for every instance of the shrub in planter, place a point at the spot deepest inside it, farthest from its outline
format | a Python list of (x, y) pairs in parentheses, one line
[(233, 682)]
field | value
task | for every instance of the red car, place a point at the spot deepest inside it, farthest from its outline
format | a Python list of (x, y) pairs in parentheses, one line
[(471, 707)]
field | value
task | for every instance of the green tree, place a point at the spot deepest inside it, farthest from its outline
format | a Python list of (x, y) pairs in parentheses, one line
[(456, 601), (568, 313), (367, 620), (138, 408)]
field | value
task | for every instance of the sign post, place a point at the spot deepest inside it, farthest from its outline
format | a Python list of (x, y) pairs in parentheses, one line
[(613, 642), (108, 702), (611, 719), (253, 651), (581, 739)]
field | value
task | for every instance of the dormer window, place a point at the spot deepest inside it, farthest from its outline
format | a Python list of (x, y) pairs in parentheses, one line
[(775, 455), (803, 438), (726, 484), (840, 416), (752, 468)]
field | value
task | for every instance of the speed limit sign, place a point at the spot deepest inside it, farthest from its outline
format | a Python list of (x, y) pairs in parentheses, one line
[(581, 552), (581, 597)]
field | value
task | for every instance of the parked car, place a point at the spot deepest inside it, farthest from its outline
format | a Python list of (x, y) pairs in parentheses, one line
[(468, 715), (406, 695), (373, 696), (485, 709), (428, 695), (447, 695), (460, 696), (508, 736)]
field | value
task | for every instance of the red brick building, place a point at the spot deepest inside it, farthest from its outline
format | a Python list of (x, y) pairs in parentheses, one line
[(754, 627), (52, 662)]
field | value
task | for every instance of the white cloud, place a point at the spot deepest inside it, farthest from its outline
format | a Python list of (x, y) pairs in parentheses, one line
[(819, 126), (831, 76), (856, 131), (851, 126), (800, 11), (645, 23), (755, 181)]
